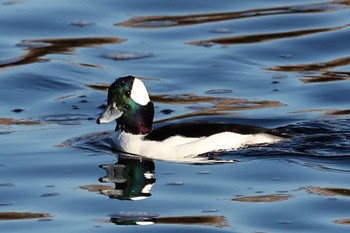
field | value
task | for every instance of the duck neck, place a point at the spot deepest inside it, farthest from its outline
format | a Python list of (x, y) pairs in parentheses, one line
[(138, 121)]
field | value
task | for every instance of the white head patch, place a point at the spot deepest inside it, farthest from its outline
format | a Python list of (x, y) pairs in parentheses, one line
[(139, 92)]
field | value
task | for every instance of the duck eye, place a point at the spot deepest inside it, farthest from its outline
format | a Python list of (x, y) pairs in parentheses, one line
[(128, 94)]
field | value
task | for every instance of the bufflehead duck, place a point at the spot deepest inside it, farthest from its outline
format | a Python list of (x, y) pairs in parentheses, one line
[(129, 104)]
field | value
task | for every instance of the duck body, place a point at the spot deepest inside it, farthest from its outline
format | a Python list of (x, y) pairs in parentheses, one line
[(190, 139), (134, 134)]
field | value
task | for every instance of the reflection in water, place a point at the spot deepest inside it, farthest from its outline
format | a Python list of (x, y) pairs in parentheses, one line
[(23, 215), (42, 47), (318, 72), (329, 112), (98, 87), (66, 119), (122, 56), (327, 191), (314, 66), (61, 119), (263, 198), (257, 38), (81, 23), (219, 105), (137, 218), (181, 20), (311, 73), (133, 179), (12, 121), (339, 112), (95, 187), (343, 221)]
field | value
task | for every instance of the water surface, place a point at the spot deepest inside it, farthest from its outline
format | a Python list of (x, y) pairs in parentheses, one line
[(278, 64)]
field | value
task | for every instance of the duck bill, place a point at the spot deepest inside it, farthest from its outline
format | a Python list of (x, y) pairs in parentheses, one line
[(110, 113)]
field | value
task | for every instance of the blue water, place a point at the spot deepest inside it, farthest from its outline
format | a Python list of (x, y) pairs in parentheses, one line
[(277, 64)]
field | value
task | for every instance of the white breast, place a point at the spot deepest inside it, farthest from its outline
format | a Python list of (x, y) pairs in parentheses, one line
[(182, 149)]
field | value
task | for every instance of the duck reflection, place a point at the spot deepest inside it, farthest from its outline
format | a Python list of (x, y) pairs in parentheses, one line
[(133, 178), (141, 218)]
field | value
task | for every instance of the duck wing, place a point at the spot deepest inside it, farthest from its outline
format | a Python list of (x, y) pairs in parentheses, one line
[(205, 129)]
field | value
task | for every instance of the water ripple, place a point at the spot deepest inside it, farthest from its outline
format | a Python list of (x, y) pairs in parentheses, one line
[(182, 20), (258, 38), (37, 49), (318, 72), (122, 56)]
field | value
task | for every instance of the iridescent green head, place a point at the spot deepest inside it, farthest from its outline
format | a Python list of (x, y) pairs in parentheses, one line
[(129, 104)]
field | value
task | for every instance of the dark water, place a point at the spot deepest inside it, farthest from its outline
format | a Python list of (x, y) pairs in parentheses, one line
[(278, 64)]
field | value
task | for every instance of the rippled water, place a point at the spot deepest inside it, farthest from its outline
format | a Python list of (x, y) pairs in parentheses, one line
[(277, 64)]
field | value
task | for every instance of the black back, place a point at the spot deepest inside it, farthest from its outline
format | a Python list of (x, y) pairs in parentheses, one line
[(205, 129)]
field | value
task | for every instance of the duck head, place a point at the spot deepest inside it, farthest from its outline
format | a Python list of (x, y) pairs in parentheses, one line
[(129, 104)]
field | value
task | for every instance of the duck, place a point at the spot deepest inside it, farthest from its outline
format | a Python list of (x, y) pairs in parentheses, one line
[(129, 105)]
